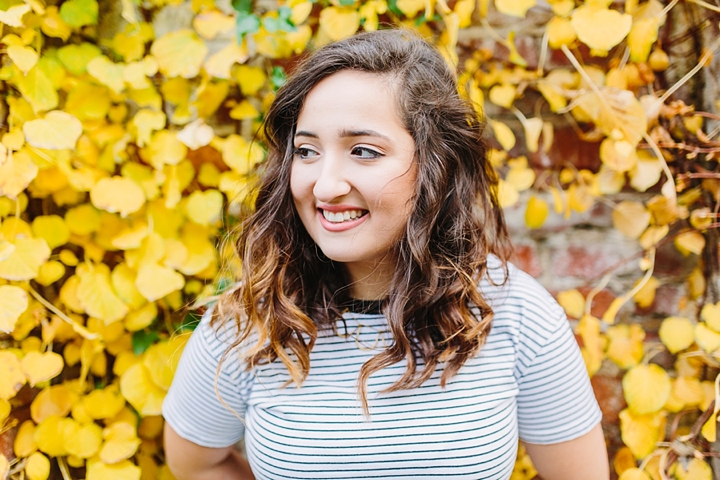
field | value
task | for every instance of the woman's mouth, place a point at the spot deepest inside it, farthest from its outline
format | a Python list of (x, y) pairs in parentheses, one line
[(344, 216)]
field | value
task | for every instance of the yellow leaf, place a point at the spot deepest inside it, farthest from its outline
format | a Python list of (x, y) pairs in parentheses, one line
[(117, 194), (572, 302), (124, 470), (140, 391), (24, 443), (706, 339), (96, 294), (600, 28), (196, 134), (204, 208), (515, 8), (709, 429), (301, 11), (621, 117), (646, 295), (631, 218), (533, 128), (38, 89), (690, 242), (653, 235), (12, 377), (536, 212), (711, 315), (643, 35), (180, 53), (16, 173), (641, 432), (520, 178), (592, 351), (25, 260), (625, 351), (52, 401), (141, 318), (464, 10), (53, 25), (155, 281), (244, 110), (37, 467), (647, 172), (52, 229), (342, 22), (507, 194), (121, 442), (504, 135), (560, 32), (220, 63), (85, 441), (12, 17), (13, 302), (613, 309), (82, 220), (553, 94), (58, 130), (634, 474), (250, 79), (166, 149), (646, 388), (161, 360), (618, 155), (39, 367), (697, 470), (24, 58), (209, 23), (107, 72), (239, 155), (503, 95), (145, 122)]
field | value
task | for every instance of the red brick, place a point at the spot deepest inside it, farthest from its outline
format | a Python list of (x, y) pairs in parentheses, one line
[(526, 259), (568, 148), (609, 394), (582, 262), (600, 302)]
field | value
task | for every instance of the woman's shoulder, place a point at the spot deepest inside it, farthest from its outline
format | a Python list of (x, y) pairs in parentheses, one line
[(517, 298)]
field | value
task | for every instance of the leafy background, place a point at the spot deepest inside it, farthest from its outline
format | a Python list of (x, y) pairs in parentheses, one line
[(130, 133)]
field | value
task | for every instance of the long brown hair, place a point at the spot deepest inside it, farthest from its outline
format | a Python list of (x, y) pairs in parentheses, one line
[(288, 289)]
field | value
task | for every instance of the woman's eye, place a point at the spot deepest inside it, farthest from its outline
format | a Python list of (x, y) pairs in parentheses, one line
[(304, 153), (364, 152)]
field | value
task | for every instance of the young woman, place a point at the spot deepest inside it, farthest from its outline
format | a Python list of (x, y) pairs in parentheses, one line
[(377, 330)]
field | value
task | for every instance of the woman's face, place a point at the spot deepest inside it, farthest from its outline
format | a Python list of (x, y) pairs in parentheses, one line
[(353, 171)]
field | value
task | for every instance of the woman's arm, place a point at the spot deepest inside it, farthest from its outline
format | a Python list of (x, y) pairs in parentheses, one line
[(584, 457), (188, 460)]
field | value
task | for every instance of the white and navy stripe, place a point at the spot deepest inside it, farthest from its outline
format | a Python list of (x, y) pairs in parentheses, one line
[(528, 381)]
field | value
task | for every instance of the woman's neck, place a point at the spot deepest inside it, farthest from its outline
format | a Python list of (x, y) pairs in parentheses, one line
[(370, 281)]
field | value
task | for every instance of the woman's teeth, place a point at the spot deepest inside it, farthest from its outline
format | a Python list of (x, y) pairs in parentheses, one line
[(339, 217)]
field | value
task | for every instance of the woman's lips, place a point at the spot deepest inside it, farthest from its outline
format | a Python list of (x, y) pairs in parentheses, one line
[(344, 225)]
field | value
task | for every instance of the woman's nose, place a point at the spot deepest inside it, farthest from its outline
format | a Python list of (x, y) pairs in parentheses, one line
[(331, 181)]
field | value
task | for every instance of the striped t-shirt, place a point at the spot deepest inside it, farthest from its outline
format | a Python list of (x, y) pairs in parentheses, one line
[(528, 381)]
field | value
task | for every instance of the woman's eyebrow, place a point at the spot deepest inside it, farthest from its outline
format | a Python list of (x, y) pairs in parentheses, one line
[(303, 133), (362, 133)]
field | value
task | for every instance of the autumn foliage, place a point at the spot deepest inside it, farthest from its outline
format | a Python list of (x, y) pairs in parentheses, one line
[(128, 144)]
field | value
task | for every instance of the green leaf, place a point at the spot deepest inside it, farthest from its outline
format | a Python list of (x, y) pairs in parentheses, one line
[(189, 323), (141, 340), (76, 57), (242, 6), (246, 23), (392, 6), (78, 13), (347, 3), (277, 77)]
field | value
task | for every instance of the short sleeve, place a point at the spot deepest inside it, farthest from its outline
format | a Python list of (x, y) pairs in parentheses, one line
[(556, 402), (192, 407)]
